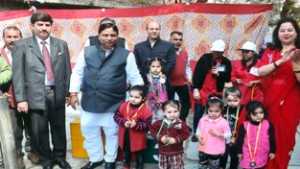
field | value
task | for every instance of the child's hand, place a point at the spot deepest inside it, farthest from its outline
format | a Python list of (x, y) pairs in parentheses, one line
[(215, 132), (240, 156), (164, 139), (201, 140), (133, 124), (171, 140), (127, 124), (272, 156)]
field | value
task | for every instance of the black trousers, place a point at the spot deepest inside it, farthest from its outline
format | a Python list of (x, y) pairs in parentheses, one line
[(234, 160), (20, 122), (54, 116), (184, 97), (127, 153)]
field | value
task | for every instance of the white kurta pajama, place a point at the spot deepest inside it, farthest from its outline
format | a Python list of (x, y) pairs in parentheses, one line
[(91, 122)]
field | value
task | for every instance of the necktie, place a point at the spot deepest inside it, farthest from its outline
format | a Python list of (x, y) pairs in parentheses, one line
[(47, 62)]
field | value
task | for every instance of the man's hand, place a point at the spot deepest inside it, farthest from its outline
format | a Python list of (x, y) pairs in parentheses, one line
[(196, 94), (8, 97), (73, 101), (22, 107)]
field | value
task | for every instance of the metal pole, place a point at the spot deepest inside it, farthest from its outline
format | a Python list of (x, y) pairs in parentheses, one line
[(7, 138)]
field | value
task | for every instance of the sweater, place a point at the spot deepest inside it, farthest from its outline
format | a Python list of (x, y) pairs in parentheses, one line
[(178, 130)]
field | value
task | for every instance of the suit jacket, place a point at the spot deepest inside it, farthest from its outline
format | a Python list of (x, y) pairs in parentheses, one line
[(29, 72)]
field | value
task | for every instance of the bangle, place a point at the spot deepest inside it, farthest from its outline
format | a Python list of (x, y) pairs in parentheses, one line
[(73, 94), (275, 65)]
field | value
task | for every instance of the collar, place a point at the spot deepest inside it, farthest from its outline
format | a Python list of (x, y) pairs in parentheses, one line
[(155, 42), (178, 51), (8, 52), (165, 120), (39, 40), (212, 120)]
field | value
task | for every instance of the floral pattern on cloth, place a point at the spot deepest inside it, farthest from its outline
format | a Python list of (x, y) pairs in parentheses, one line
[(157, 94)]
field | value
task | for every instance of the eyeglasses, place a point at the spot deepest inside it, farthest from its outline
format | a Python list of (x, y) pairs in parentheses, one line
[(246, 51)]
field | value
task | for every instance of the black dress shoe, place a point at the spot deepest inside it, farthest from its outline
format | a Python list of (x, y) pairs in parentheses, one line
[(91, 165), (110, 165), (63, 164), (47, 167)]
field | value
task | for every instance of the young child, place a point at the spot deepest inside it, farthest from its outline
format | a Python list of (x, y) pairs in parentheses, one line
[(234, 114), (134, 119), (170, 132), (212, 131), (256, 139), (157, 93)]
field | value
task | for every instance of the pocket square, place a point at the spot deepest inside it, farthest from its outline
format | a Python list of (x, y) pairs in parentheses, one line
[(59, 53)]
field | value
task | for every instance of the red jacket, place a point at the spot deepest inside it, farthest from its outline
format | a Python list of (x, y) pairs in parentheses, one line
[(142, 116), (178, 130)]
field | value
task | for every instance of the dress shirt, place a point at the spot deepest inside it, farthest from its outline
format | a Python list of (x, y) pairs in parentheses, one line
[(47, 83), (8, 54)]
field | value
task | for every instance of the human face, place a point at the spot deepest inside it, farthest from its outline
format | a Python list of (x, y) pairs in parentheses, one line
[(176, 40), (155, 67), (135, 98), (10, 36), (214, 111), (171, 113), (287, 33), (259, 115), (247, 55), (108, 39), (153, 30), (233, 101), (217, 54), (41, 29)]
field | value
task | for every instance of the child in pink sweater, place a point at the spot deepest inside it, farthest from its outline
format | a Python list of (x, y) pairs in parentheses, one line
[(212, 131)]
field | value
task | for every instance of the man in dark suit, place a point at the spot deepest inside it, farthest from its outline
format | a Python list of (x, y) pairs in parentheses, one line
[(41, 77)]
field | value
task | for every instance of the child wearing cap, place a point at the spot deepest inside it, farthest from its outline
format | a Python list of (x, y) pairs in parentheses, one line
[(211, 72), (245, 74)]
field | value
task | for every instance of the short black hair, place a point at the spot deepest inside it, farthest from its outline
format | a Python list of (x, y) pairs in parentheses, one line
[(41, 16), (107, 19), (252, 106), (214, 100), (12, 27), (172, 103), (176, 32), (104, 26), (141, 89), (235, 91)]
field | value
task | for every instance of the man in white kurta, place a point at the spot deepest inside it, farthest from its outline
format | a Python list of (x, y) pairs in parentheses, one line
[(92, 122)]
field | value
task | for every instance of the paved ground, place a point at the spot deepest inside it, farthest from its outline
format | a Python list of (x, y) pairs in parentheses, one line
[(191, 155)]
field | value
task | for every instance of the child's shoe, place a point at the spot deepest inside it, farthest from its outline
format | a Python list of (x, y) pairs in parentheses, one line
[(126, 168)]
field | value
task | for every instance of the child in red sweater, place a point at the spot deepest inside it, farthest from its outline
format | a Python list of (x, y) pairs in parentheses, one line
[(170, 132), (134, 119)]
